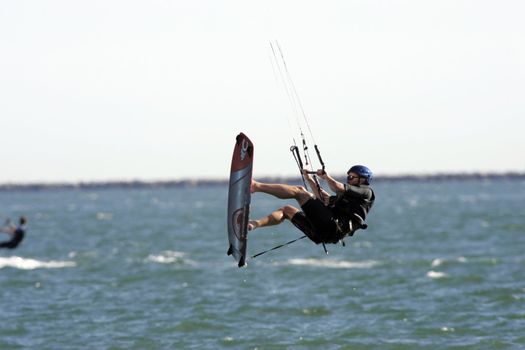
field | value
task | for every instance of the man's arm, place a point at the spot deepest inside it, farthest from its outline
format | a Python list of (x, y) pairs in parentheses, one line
[(334, 185), (311, 182), (8, 229)]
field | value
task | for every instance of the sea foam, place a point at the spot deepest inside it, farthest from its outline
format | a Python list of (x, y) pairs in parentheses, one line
[(436, 274), (331, 263), (170, 257), (31, 264)]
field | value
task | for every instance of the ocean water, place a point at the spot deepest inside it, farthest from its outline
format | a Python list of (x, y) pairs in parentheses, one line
[(442, 266)]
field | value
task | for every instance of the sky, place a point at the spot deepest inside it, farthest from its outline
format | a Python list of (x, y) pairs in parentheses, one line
[(105, 90)]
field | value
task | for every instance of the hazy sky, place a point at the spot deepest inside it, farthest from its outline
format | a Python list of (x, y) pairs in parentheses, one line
[(120, 89)]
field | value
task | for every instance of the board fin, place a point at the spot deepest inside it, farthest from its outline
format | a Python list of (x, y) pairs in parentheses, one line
[(242, 261)]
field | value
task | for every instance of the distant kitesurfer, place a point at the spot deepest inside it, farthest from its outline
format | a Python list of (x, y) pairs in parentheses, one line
[(324, 218), (17, 233)]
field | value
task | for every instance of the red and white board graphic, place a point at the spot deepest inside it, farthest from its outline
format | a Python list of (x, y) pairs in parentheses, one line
[(239, 197)]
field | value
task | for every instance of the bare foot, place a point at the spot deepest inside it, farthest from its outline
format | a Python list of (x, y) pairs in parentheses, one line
[(252, 225)]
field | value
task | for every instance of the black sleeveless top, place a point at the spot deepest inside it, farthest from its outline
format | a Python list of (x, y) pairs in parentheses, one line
[(351, 206)]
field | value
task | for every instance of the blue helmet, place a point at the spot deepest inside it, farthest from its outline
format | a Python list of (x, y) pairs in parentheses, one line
[(362, 171)]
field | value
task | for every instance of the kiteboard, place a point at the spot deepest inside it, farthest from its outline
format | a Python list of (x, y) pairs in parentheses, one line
[(239, 197)]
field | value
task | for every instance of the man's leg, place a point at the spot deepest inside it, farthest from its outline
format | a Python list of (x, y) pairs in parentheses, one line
[(282, 191), (275, 218)]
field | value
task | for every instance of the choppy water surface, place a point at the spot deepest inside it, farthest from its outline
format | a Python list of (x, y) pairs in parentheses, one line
[(440, 267)]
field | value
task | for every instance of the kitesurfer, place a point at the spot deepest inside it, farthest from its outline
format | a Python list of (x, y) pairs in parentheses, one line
[(323, 218), (17, 233)]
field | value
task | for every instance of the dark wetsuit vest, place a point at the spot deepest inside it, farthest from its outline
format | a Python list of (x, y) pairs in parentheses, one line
[(18, 236), (345, 213), (351, 207)]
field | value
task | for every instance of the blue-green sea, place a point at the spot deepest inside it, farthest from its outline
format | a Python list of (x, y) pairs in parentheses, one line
[(441, 266)]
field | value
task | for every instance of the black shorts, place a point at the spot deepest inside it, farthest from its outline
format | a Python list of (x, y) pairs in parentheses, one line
[(317, 222)]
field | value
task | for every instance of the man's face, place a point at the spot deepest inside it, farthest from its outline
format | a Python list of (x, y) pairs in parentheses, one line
[(352, 178)]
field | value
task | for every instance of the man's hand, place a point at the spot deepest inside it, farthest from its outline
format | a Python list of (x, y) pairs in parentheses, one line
[(321, 173)]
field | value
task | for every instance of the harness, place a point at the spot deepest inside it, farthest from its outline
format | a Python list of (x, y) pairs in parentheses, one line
[(348, 207), (357, 224)]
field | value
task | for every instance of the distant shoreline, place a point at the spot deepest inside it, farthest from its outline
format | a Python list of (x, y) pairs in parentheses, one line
[(190, 183)]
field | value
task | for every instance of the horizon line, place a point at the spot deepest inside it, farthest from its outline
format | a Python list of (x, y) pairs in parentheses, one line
[(189, 182)]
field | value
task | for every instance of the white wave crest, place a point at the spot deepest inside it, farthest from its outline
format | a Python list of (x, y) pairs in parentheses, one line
[(31, 264), (436, 274), (331, 263), (437, 262), (169, 257), (462, 259)]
